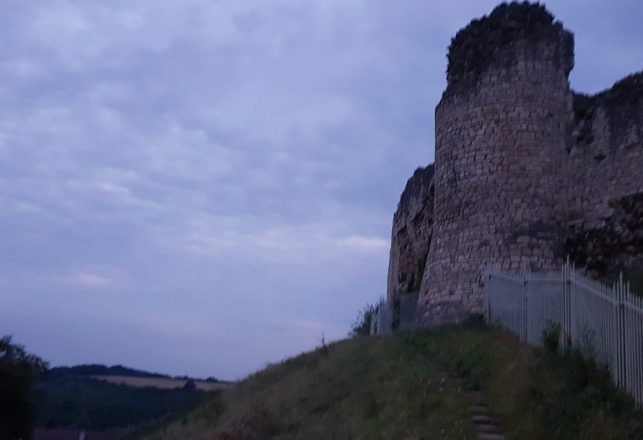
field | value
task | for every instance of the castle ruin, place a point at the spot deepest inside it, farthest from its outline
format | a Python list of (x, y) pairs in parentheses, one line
[(526, 172)]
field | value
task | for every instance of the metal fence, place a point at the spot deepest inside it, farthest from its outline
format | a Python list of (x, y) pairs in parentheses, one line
[(603, 322), (401, 315)]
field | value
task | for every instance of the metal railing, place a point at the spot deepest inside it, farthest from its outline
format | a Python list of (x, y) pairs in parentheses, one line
[(605, 323), (401, 315)]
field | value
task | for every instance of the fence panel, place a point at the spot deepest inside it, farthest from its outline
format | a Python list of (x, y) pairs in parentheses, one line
[(544, 305), (604, 323), (593, 321), (373, 328), (633, 326), (506, 302), (384, 319), (408, 312)]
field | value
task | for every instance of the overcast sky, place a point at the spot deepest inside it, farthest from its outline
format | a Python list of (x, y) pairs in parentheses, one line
[(202, 187)]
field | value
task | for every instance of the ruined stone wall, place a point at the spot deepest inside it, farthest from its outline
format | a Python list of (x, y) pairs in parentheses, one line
[(606, 169), (606, 152), (614, 245), (411, 235), (500, 147)]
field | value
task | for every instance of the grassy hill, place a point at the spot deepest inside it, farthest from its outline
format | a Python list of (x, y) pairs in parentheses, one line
[(397, 388)]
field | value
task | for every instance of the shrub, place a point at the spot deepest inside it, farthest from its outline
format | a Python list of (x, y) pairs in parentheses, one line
[(18, 372), (551, 337), (362, 324)]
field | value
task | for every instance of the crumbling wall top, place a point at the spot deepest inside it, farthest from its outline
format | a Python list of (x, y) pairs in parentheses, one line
[(626, 91), (491, 39), (621, 103)]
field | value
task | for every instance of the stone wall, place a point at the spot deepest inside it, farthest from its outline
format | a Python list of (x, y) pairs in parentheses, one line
[(614, 245), (606, 165), (526, 172), (411, 235), (606, 149)]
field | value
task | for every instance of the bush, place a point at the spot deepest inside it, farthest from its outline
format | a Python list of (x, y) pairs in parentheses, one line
[(362, 324), (551, 337), (18, 373)]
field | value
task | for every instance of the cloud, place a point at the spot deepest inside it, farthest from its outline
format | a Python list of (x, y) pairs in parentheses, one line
[(89, 280), (366, 244)]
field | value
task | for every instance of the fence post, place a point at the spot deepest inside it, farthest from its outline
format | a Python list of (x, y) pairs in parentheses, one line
[(620, 332), (628, 330), (525, 293), (487, 292), (567, 307)]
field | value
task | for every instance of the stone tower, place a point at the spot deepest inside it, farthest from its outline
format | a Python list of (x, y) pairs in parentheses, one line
[(502, 129)]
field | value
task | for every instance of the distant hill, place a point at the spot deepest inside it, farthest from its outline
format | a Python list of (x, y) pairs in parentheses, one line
[(84, 402), (117, 370), (116, 398), (101, 370)]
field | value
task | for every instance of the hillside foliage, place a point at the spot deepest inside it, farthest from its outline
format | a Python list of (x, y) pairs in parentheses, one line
[(18, 372), (82, 402)]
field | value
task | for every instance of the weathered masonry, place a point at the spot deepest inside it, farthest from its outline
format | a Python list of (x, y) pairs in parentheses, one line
[(526, 171)]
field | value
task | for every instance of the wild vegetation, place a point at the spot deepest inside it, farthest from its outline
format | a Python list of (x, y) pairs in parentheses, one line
[(18, 372), (362, 324), (396, 387)]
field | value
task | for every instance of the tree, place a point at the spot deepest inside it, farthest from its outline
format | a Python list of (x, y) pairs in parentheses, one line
[(18, 372), (190, 385)]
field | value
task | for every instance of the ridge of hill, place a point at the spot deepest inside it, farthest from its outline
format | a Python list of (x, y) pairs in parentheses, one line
[(102, 370), (116, 370)]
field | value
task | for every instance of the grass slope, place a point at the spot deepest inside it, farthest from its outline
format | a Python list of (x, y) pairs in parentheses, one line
[(393, 388), (364, 388)]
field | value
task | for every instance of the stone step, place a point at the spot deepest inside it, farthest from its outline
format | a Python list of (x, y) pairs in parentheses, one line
[(487, 436), (486, 425), (483, 419), (480, 409), (488, 428)]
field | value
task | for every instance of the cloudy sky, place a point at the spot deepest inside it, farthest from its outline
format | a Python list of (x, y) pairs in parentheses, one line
[(202, 187)]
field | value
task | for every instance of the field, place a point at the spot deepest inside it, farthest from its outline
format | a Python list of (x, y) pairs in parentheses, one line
[(161, 382)]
